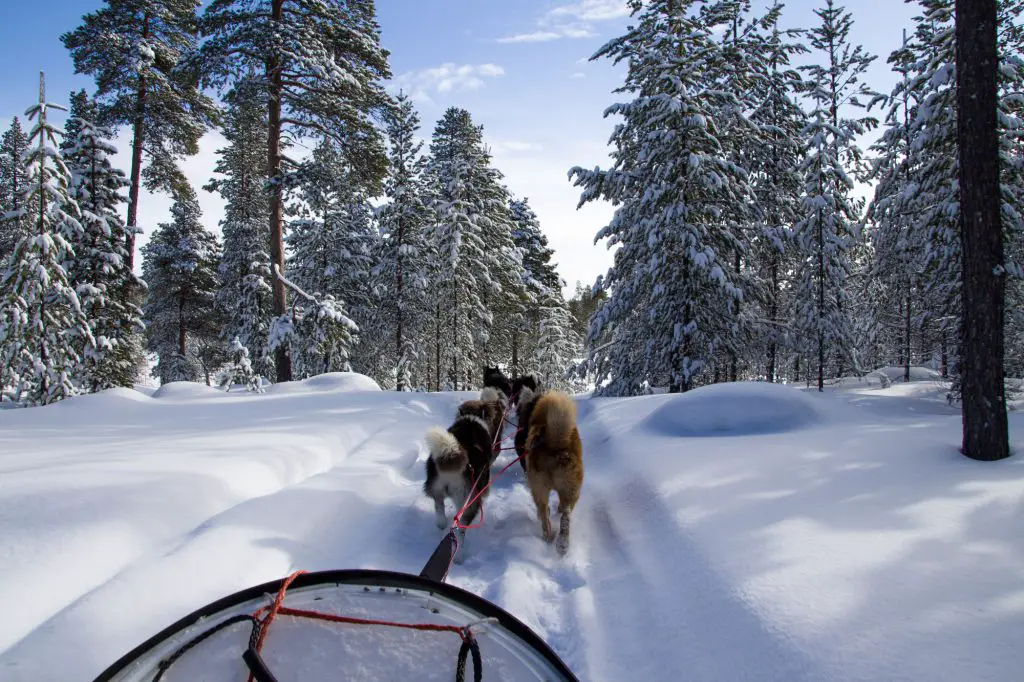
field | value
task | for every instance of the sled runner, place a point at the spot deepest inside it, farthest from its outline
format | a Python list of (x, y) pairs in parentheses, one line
[(344, 625)]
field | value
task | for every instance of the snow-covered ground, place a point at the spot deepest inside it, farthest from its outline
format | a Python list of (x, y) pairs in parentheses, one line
[(738, 532)]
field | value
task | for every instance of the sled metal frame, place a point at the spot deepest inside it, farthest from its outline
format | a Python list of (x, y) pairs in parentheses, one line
[(349, 577)]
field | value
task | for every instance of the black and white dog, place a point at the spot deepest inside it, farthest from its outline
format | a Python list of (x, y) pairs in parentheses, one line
[(459, 457)]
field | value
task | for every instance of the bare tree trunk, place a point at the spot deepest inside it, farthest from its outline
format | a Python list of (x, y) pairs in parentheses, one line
[(821, 304), (773, 311), (906, 358), (981, 236), (138, 131), (282, 359)]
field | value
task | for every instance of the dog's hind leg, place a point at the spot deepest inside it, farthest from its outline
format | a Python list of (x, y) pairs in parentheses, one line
[(565, 518), (567, 499), (540, 498), (439, 516)]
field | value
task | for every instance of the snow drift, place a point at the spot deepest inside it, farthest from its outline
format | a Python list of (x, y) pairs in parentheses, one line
[(741, 409)]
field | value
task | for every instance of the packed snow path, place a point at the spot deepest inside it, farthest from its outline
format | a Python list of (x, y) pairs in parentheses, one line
[(736, 532)]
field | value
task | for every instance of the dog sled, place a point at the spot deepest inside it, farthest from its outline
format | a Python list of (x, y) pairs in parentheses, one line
[(347, 625)]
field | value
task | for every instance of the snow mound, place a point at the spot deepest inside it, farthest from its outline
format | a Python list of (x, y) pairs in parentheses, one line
[(736, 409), (895, 374), (185, 390), (107, 398), (332, 382)]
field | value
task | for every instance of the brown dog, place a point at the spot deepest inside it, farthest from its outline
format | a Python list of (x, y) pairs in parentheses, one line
[(554, 461)]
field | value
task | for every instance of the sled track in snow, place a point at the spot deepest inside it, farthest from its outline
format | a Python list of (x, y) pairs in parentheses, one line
[(650, 574)]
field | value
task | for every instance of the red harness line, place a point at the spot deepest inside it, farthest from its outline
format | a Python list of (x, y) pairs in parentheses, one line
[(496, 447)]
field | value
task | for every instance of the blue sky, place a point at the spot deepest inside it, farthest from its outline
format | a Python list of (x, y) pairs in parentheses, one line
[(520, 67)]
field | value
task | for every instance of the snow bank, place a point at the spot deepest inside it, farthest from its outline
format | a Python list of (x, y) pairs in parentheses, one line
[(185, 390), (333, 382), (738, 409)]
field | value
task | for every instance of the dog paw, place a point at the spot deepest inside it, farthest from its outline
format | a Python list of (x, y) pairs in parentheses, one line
[(549, 536), (441, 522), (562, 546)]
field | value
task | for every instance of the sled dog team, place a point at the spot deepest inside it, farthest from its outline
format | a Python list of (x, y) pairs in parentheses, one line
[(546, 440)]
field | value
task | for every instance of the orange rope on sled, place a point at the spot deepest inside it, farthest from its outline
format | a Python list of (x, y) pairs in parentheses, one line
[(265, 615)]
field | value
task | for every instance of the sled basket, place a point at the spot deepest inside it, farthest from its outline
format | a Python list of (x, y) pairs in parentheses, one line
[(344, 625)]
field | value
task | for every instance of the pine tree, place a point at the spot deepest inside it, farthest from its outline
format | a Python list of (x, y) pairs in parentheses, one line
[(828, 232), (774, 161), (332, 249), (241, 370), (320, 67), (180, 266), (558, 347), (98, 270), (673, 287), (318, 333), (134, 49), (476, 269), (14, 221), (43, 324), (540, 282), (244, 294), (400, 279)]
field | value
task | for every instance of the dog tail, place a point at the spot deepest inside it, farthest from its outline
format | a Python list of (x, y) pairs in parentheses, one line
[(491, 395), (559, 420), (445, 450)]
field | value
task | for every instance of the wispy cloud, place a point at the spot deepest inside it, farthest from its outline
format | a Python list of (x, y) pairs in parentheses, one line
[(448, 77), (535, 37), (578, 74), (573, 20), (503, 147), (592, 10)]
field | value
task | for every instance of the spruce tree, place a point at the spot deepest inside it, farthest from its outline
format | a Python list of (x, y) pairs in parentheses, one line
[(400, 278), (134, 49), (541, 283), (332, 248), (828, 230), (98, 269), (774, 160), (476, 271), (180, 267), (244, 294), (14, 221), (673, 286), (320, 66), (43, 325)]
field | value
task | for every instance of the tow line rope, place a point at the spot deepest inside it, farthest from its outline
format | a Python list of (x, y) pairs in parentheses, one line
[(262, 618)]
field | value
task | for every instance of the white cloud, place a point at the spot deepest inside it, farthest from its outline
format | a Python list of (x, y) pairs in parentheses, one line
[(571, 21), (449, 77), (578, 74), (592, 10), (535, 37), (503, 147)]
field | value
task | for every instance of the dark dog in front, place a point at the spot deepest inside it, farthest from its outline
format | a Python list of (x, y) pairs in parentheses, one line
[(526, 381), (495, 378), (554, 461), (459, 458)]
